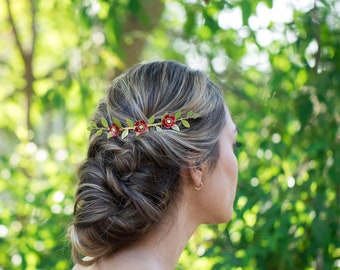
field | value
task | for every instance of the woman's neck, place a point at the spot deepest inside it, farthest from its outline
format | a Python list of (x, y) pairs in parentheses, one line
[(159, 249)]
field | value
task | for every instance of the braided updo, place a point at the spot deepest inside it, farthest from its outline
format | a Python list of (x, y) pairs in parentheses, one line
[(126, 186)]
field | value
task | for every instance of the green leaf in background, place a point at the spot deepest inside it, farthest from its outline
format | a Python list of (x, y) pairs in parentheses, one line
[(246, 11)]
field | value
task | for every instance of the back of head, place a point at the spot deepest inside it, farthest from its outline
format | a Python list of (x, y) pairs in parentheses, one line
[(127, 185)]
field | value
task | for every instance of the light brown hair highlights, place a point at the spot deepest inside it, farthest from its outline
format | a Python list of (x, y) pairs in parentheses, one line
[(126, 186)]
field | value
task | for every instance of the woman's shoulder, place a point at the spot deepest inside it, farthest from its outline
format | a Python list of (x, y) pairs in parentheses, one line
[(82, 267)]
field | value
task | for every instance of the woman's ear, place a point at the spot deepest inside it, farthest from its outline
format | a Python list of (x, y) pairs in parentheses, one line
[(196, 175)]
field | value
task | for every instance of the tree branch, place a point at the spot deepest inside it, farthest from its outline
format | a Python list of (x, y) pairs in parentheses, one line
[(27, 57), (15, 31), (136, 29), (33, 26), (316, 28)]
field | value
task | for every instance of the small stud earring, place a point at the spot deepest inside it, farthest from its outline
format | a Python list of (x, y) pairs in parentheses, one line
[(200, 187)]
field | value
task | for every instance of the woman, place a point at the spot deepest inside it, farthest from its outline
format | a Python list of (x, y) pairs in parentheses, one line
[(160, 162)]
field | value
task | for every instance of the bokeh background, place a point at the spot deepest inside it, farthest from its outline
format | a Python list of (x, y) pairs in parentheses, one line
[(278, 62)]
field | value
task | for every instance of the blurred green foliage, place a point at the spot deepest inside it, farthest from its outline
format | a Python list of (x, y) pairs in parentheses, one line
[(279, 63)]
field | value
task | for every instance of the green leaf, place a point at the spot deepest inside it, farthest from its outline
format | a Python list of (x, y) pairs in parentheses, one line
[(125, 133), (269, 3), (109, 135), (99, 132), (178, 114), (246, 8), (185, 123), (117, 122), (89, 128), (189, 114), (175, 127), (158, 128), (164, 115), (190, 24), (151, 120), (195, 115), (104, 122), (134, 6), (93, 124), (129, 122)]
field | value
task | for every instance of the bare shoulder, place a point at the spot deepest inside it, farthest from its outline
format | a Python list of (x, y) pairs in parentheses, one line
[(84, 267), (81, 267)]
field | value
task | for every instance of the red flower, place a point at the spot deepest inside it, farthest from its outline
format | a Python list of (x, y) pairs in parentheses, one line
[(169, 121), (114, 129), (141, 127)]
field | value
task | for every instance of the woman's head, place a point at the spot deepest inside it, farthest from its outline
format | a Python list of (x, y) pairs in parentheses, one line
[(128, 183)]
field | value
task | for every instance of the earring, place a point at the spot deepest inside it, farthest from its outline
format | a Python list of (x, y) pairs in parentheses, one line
[(200, 187)]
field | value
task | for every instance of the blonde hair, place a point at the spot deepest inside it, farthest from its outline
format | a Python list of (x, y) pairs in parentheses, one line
[(126, 186)]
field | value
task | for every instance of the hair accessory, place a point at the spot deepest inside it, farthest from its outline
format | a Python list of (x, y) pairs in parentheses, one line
[(167, 121)]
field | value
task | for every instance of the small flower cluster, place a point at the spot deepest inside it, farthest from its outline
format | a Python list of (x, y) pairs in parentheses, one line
[(168, 121)]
